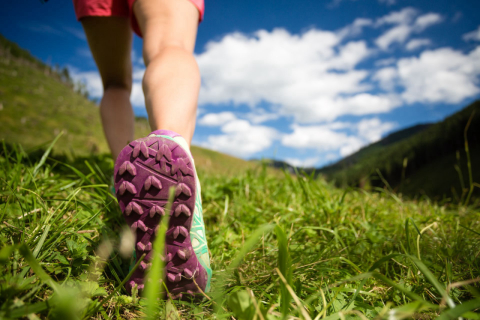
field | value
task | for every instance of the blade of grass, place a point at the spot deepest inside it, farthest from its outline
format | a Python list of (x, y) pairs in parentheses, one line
[(401, 288), (155, 275), (26, 310), (300, 307), (285, 267), (419, 236), (100, 304), (470, 229), (41, 241), (407, 232), (433, 280), (35, 266), (220, 296), (469, 162), (45, 155), (461, 309)]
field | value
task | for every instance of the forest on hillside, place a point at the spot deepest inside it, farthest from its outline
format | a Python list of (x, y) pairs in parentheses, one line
[(438, 152)]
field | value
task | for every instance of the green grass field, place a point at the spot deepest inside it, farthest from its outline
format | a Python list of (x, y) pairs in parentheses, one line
[(281, 247)]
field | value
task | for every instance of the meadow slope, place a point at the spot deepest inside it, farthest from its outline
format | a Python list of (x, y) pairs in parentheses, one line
[(342, 254), (37, 103)]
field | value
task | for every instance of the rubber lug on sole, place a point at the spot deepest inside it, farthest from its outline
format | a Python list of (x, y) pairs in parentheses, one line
[(139, 225), (163, 151), (174, 277), (156, 210), (152, 182), (179, 231), (140, 147), (135, 207), (188, 273), (183, 188), (180, 164), (127, 166), (182, 209), (184, 254), (144, 266), (127, 186), (144, 247)]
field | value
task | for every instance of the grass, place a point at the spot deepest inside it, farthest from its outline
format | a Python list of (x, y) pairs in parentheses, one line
[(281, 247)]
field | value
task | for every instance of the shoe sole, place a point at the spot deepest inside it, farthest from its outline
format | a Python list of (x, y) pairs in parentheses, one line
[(144, 172)]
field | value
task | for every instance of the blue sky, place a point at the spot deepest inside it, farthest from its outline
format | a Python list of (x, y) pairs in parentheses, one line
[(303, 81)]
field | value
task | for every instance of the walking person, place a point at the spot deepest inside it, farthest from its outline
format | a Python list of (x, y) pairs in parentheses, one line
[(146, 168)]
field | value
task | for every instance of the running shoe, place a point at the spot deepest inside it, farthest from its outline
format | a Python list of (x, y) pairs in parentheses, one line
[(144, 172)]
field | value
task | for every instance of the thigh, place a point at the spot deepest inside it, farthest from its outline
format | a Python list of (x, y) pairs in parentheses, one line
[(110, 40), (166, 23)]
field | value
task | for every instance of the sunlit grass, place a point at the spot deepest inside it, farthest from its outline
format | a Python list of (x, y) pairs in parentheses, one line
[(281, 247)]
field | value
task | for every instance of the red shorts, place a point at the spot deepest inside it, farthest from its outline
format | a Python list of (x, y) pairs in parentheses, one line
[(118, 8)]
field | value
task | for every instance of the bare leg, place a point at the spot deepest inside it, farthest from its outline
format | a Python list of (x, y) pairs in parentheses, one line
[(110, 41), (172, 79)]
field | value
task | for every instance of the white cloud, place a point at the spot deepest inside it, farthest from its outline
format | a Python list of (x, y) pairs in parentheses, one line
[(94, 86), (216, 119), (319, 137), (242, 139), (311, 76), (259, 116), (302, 163), (336, 3), (417, 43), (405, 24), (385, 62), (55, 30), (404, 16), (91, 80), (79, 33), (441, 75), (427, 20), (325, 137), (355, 28), (373, 129), (136, 97), (42, 28), (239, 137), (138, 74), (472, 35), (85, 52), (386, 78), (331, 156), (399, 34), (388, 2), (137, 59)]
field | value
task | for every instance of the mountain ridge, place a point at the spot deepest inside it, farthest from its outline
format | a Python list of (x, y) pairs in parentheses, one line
[(407, 159)]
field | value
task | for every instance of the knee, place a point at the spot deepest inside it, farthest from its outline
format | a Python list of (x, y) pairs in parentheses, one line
[(151, 51), (118, 84), (171, 63)]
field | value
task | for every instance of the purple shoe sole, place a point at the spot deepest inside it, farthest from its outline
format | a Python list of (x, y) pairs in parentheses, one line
[(144, 172)]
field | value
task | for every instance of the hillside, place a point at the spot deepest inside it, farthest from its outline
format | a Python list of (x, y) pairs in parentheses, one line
[(417, 160), (366, 151), (38, 102)]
